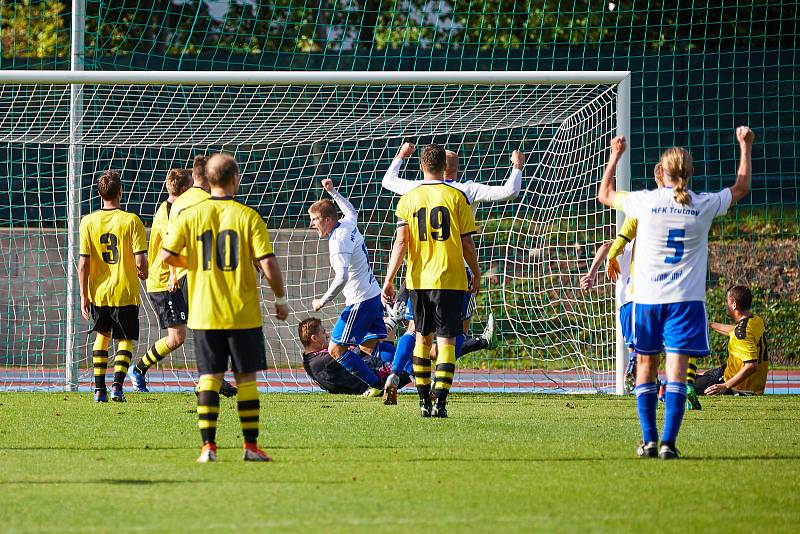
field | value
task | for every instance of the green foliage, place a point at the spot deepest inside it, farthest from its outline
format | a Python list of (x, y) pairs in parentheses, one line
[(517, 462)]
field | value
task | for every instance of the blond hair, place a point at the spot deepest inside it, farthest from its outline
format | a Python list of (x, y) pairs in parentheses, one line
[(677, 163), (221, 169), (324, 208)]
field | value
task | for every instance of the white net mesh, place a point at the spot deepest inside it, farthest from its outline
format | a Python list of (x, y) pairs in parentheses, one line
[(552, 336)]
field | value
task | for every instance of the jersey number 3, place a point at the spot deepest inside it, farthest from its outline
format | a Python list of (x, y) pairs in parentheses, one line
[(439, 222), (226, 247), (111, 254), (672, 242)]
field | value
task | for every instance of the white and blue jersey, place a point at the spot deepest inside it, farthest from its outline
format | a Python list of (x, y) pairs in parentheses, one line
[(669, 278), (363, 314)]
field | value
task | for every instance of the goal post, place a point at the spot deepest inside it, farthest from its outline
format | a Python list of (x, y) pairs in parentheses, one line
[(287, 130)]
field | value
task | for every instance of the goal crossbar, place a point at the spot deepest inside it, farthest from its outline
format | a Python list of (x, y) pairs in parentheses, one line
[(311, 77)]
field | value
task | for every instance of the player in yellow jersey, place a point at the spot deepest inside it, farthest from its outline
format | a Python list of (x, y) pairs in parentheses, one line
[(748, 362), (170, 306), (435, 227), (113, 256), (223, 240)]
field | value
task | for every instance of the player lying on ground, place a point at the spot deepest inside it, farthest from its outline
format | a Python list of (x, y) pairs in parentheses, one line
[(113, 256), (669, 279), (170, 306), (435, 227), (361, 322), (747, 367), (475, 193), (223, 239)]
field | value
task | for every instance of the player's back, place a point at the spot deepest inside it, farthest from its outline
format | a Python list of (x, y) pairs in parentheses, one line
[(111, 238), (438, 215), (672, 244), (361, 285), (748, 341), (158, 271), (223, 238)]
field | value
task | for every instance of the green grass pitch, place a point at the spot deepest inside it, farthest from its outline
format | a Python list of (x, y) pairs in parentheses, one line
[(504, 463)]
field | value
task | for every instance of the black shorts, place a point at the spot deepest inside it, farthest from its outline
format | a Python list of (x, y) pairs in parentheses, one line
[(183, 287), (709, 378), (438, 311), (170, 306), (245, 349), (121, 321)]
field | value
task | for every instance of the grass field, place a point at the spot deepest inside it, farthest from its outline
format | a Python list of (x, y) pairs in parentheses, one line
[(501, 463)]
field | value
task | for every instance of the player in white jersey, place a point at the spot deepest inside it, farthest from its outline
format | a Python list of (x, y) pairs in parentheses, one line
[(361, 322), (669, 278), (475, 193)]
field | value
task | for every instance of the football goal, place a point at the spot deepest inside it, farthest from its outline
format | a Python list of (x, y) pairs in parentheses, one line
[(289, 130)]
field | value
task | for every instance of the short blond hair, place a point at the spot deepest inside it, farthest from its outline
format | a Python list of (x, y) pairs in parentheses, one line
[(324, 208), (221, 169), (178, 181)]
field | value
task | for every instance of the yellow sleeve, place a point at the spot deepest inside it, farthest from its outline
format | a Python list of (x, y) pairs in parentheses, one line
[(402, 211), (175, 240), (139, 240), (466, 219), (626, 234), (259, 240), (86, 247), (742, 345), (619, 199)]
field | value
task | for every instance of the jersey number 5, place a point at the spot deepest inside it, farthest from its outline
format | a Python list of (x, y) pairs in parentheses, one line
[(672, 242), (226, 247), (111, 254), (439, 221)]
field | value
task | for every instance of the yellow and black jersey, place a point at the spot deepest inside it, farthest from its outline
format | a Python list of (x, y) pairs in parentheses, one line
[(625, 235), (437, 215), (158, 272), (748, 343), (222, 238), (190, 197), (110, 238)]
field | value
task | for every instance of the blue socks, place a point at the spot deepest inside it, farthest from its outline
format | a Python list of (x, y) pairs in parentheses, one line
[(385, 351), (353, 363), (675, 407), (646, 402), (403, 352), (459, 344)]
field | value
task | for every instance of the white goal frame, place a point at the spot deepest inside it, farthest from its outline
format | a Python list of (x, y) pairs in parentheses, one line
[(77, 77)]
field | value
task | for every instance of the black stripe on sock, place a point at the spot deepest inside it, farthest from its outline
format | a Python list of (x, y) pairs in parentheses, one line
[(248, 404)]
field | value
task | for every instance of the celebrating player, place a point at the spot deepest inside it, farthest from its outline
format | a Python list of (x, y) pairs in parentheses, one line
[(748, 363), (223, 239), (435, 227), (170, 306), (113, 253), (361, 321), (475, 193), (669, 278)]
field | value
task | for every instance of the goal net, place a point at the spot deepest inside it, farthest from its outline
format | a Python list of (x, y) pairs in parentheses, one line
[(286, 137)]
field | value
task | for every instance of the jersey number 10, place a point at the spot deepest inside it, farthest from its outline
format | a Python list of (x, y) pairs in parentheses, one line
[(226, 247)]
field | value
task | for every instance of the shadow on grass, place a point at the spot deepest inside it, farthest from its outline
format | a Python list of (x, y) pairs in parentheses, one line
[(601, 459), (113, 482)]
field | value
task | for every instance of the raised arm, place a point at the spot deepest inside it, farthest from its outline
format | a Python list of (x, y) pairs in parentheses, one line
[(349, 212), (745, 138), (507, 191), (607, 191), (391, 180)]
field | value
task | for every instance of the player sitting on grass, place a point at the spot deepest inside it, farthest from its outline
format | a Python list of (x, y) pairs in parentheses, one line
[(170, 306), (669, 279), (434, 229), (223, 239), (327, 372), (748, 364), (475, 193), (113, 254), (361, 322)]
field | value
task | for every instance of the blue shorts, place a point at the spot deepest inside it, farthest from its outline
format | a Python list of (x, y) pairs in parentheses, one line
[(467, 308), (626, 323), (676, 328), (360, 321)]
